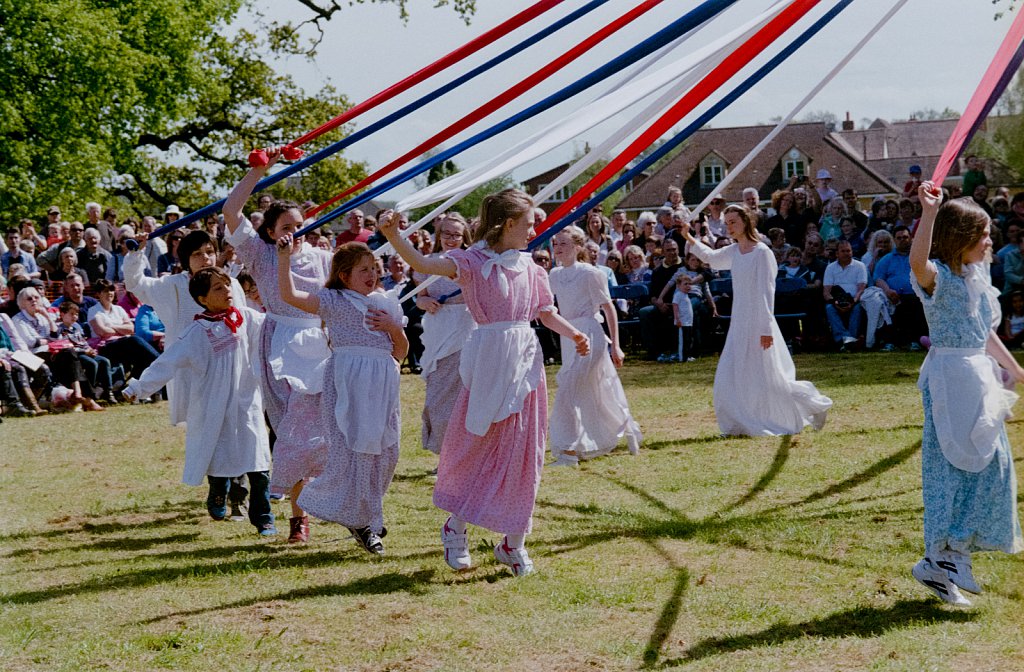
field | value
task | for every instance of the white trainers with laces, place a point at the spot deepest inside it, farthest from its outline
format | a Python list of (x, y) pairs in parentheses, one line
[(937, 581), (515, 558), (456, 548), (958, 567)]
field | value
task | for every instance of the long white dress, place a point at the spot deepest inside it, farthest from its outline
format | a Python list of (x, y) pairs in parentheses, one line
[(226, 434), (590, 415), (756, 391), (169, 297)]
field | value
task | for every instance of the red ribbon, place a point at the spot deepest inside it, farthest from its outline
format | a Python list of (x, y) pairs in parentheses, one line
[(498, 101), (232, 317), (715, 79)]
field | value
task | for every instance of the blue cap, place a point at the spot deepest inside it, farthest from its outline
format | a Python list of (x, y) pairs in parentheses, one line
[(915, 169)]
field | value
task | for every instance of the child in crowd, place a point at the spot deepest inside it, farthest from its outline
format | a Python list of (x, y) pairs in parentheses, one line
[(968, 482), (293, 346), (360, 412), (95, 365), (591, 413), (493, 451), (682, 315), (225, 434), (1012, 330)]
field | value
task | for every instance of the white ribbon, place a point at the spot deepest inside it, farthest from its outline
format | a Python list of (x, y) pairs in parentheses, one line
[(509, 259)]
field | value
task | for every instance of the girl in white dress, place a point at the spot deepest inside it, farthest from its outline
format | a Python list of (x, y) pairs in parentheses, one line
[(590, 413), (226, 435), (360, 413), (447, 325), (756, 391)]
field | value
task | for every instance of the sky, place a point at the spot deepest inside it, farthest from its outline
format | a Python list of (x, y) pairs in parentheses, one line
[(930, 55)]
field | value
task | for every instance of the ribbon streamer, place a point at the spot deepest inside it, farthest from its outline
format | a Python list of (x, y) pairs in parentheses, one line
[(498, 101), (998, 75), (336, 147), (680, 26)]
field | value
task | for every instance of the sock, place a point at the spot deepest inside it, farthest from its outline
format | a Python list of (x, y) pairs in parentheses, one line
[(456, 525), (515, 541)]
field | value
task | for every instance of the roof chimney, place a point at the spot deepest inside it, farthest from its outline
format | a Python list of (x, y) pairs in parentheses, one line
[(848, 123)]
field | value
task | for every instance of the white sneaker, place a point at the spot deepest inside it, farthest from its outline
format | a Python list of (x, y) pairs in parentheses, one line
[(456, 548), (958, 567), (566, 460), (937, 581), (516, 558)]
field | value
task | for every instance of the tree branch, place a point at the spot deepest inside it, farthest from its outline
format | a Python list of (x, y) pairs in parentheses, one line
[(187, 134)]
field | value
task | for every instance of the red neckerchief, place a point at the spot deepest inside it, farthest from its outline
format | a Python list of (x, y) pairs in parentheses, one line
[(232, 317)]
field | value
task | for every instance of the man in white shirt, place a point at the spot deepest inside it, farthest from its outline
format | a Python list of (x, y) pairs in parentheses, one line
[(845, 280)]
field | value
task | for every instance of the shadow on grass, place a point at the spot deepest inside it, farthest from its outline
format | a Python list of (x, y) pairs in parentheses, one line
[(118, 544), (380, 584), (781, 456), (183, 511), (856, 622)]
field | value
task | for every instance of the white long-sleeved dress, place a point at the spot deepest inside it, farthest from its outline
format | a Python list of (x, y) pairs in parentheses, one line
[(226, 434), (756, 391), (169, 297)]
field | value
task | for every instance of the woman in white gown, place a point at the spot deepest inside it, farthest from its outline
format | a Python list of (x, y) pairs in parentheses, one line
[(590, 415), (756, 391)]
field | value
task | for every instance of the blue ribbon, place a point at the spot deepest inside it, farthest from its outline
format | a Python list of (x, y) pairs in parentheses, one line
[(336, 147), (696, 125), (680, 26)]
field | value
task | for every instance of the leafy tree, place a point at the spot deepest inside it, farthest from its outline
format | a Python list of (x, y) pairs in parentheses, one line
[(931, 114), (152, 101), (1005, 138)]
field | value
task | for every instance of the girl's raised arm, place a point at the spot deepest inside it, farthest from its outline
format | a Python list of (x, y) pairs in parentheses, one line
[(387, 222), (924, 270), (293, 297), (235, 202)]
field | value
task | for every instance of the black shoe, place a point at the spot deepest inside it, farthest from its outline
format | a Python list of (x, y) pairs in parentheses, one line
[(217, 506), (368, 539), (18, 410)]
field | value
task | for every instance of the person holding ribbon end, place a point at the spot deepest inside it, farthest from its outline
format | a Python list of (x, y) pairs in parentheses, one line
[(360, 415), (493, 450), (225, 434), (968, 482), (756, 392), (293, 349)]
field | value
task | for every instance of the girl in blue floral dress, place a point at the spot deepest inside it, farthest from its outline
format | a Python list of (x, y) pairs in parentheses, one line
[(968, 480)]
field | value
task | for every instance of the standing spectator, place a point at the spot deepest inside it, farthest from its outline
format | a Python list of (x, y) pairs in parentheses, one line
[(845, 280), (172, 214), (829, 227), (355, 233), (93, 259), (108, 229), (848, 231), (30, 235), (974, 175), (16, 255), (67, 263), (823, 185), (48, 258), (752, 200), (853, 210), (787, 218), (910, 188), (980, 196), (713, 217)]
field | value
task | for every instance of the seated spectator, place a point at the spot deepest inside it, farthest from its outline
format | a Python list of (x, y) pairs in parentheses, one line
[(1013, 269), (845, 281), (1000, 211), (713, 217), (36, 328), (95, 366), (396, 276), (21, 378), (16, 255), (114, 334), (778, 244), (907, 216), (597, 232), (542, 257), (849, 233), (853, 210), (115, 270), (980, 197), (614, 262), (645, 224), (149, 328), (67, 263), (830, 224), (30, 236), (879, 245), (48, 258), (627, 237), (1011, 331), (634, 265), (892, 276), (1013, 231), (793, 266), (130, 303), (593, 258), (74, 291), (657, 330), (92, 258)]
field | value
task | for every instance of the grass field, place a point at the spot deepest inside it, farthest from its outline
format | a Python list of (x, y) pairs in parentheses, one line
[(701, 553)]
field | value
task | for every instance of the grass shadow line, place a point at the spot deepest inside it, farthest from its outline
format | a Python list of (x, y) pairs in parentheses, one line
[(780, 459), (856, 622)]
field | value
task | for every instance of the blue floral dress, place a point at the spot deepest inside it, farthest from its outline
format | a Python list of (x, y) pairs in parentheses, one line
[(972, 508)]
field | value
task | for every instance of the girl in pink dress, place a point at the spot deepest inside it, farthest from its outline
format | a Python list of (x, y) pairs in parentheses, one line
[(493, 450)]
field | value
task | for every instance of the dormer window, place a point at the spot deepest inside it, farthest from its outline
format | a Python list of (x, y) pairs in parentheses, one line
[(712, 170), (794, 164)]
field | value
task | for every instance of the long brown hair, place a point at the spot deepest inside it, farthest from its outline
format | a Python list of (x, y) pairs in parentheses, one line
[(453, 217), (498, 208), (276, 209), (344, 260), (959, 225), (749, 229)]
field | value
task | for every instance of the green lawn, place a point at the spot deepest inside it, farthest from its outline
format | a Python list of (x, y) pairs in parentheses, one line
[(701, 553)]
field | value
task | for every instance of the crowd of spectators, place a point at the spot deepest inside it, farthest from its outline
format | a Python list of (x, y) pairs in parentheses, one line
[(70, 334)]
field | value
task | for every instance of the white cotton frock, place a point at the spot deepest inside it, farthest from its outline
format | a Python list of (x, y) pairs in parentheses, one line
[(590, 414), (756, 391)]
